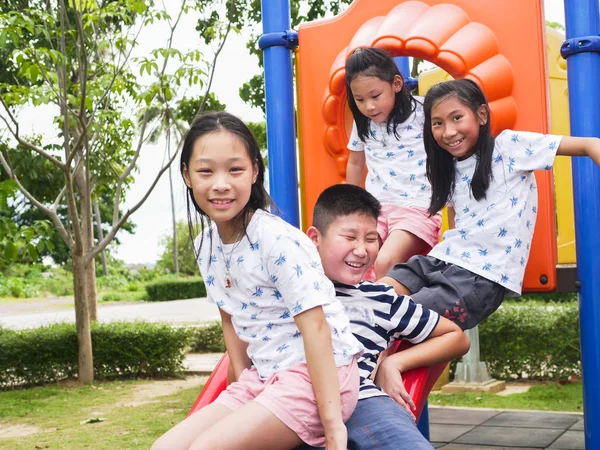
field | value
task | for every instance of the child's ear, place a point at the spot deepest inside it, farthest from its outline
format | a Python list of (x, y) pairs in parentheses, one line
[(314, 236), (254, 172), (186, 176), (483, 113), (398, 83)]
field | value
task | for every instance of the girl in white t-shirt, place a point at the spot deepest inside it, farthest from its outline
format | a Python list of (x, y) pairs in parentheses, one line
[(387, 137), (490, 189), (288, 338)]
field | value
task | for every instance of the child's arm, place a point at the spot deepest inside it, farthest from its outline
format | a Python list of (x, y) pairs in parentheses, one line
[(316, 335), (580, 146), (238, 356), (355, 169), (446, 342), (451, 215)]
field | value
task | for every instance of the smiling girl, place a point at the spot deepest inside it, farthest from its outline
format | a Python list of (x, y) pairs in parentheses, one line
[(287, 336), (489, 186)]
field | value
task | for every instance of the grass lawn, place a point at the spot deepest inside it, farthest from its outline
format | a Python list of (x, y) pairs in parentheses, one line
[(544, 397), (136, 413)]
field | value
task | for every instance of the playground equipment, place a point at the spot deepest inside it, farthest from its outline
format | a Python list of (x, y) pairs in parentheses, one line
[(466, 38)]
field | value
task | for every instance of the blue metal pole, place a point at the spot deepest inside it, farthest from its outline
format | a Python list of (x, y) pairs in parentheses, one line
[(403, 64), (281, 135), (423, 423), (581, 17)]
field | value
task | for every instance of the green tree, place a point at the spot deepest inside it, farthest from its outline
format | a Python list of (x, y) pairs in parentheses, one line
[(186, 258), (76, 56), (253, 91)]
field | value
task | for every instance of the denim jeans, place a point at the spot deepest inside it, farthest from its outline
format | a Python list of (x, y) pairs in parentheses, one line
[(381, 423)]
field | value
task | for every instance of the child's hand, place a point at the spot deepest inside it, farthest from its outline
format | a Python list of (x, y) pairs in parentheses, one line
[(336, 437), (389, 378)]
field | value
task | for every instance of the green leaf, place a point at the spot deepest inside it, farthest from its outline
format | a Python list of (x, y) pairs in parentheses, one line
[(10, 251)]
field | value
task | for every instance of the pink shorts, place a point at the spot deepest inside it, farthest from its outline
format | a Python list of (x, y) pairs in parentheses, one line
[(413, 219), (289, 395)]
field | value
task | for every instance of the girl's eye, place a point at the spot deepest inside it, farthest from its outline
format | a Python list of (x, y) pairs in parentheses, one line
[(236, 169), (372, 240), (349, 238), (204, 171), (457, 118), (437, 123), (376, 96)]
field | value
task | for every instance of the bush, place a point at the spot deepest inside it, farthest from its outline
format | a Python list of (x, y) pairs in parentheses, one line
[(548, 297), (121, 350), (207, 339), (532, 340), (112, 297), (176, 289)]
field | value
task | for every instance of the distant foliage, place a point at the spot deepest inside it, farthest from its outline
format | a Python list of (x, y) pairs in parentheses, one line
[(121, 350), (185, 252), (532, 340), (176, 289)]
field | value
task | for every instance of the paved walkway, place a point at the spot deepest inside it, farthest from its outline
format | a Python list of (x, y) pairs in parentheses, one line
[(477, 429), (176, 312)]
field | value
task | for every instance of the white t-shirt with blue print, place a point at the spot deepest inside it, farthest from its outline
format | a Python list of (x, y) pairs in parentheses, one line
[(396, 166), (275, 273), (492, 237)]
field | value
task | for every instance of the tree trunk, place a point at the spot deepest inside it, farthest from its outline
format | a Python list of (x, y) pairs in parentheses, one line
[(175, 251), (100, 235), (87, 229), (85, 369), (90, 290)]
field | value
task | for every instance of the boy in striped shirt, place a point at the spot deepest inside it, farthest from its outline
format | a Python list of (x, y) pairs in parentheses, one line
[(345, 233)]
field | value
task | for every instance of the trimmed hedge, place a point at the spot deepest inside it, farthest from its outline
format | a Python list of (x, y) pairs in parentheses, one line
[(207, 339), (176, 289), (121, 350), (532, 340)]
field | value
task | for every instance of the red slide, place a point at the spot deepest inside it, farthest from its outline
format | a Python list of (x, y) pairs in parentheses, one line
[(418, 383)]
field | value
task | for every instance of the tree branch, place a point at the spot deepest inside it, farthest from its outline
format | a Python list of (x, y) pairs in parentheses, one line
[(14, 131), (214, 63), (117, 225), (47, 211)]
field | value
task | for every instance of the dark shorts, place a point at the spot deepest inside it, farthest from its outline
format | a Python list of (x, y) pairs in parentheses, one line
[(381, 423), (453, 292)]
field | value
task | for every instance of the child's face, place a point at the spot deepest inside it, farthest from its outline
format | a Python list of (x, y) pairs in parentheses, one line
[(374, 97), (349, 247), (455, 127), (220, 175)]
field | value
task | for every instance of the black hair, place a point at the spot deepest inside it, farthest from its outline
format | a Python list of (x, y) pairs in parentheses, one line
[(374, 62), (213, 123), (441, 168), (342, 200)]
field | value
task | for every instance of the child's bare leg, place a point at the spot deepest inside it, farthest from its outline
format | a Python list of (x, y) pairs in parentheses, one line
[(399, 246), (250, 427), (182, 435)]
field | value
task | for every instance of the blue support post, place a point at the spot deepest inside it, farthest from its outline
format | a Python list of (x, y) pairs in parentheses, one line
[(281, 134), (403, 64), (584, 97), (423, 424)]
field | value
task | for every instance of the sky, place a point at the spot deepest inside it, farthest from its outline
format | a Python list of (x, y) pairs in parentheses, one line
[(234, 67)]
